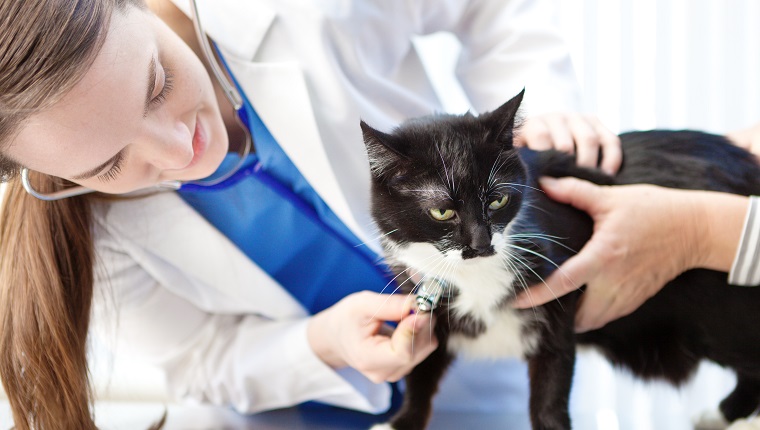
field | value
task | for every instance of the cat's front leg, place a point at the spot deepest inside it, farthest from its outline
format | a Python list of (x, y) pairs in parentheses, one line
[(551, 367), (744, 400), (421, 386)]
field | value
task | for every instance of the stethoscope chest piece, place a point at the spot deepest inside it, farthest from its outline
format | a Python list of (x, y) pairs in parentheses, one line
[(430, 291)]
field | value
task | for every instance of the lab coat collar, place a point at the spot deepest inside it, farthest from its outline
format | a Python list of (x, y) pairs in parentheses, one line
[(237, 26)]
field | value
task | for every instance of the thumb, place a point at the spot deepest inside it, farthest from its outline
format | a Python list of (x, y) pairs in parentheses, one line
[(573, 191), (413, 325)]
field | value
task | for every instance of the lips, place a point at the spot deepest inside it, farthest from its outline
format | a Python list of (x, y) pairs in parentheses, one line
[(200, 143)]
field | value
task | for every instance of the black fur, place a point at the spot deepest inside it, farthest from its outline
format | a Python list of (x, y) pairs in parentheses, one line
[(696, 316)]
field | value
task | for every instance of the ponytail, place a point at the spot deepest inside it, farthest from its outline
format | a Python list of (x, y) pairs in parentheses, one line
[(46, 286), (46, 290)]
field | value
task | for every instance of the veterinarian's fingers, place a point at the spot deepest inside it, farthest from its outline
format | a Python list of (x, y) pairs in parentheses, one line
[(573, 191), (560, 132), (534, 134), (587, 141), (573, 274), (612, 151)]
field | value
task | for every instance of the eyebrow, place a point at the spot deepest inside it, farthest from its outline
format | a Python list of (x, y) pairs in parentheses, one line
[(90, 173), (151, 85)]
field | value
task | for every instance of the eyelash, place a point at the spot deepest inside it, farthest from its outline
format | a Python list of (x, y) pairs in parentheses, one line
[(168, 85), (114, 171)]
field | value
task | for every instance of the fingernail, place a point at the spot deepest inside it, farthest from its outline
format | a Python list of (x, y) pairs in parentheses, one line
[(547, 181)]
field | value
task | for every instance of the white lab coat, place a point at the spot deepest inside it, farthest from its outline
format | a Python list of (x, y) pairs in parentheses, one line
[(188, 300)]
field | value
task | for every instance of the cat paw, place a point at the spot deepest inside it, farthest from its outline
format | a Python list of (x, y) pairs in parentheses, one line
[(710, 420), (745, 424), (383, 426)]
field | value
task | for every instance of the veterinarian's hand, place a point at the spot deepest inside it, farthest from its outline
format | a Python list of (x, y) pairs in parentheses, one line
[(644, 236), (353, 333), (748, 138), (574, 133)]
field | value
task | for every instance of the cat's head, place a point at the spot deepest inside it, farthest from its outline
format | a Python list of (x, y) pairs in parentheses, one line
[(449, 183)]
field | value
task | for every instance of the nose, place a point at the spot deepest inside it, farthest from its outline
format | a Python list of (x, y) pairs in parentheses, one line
[(170, 148), (480, 242)]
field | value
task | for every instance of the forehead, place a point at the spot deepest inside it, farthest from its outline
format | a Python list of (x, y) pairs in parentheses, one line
[(97, 108)]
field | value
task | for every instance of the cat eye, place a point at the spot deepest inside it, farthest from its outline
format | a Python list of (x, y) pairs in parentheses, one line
[(498, 203), (442, 214)]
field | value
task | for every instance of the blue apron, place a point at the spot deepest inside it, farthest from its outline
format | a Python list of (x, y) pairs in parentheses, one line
[(275, 217)]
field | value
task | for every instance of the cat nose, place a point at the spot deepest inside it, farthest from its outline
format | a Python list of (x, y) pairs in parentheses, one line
[(480, 243)]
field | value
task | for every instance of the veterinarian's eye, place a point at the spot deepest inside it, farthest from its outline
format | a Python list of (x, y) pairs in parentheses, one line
[(442, 214), (498, 203)]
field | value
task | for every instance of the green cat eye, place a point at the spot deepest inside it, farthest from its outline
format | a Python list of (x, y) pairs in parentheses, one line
[(498, 203), (442, 214)]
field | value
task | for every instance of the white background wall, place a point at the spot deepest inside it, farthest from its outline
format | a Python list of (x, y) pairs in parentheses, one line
[(647, 64)]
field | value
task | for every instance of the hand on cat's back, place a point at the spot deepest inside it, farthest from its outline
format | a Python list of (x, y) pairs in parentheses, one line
[(644, 236), (574, 133)]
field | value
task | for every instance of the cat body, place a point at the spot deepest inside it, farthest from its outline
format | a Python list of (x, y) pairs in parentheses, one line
[(461, 205)]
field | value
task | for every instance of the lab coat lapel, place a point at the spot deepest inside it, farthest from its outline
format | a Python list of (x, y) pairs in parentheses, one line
[(278, 93), (188, 256), (238, 26)]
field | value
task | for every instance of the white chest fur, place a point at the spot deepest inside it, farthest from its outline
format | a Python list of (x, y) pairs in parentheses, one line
[(482, 284)]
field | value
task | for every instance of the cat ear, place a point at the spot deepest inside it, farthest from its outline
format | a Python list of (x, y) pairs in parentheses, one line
[(501, 121), (382, 150)]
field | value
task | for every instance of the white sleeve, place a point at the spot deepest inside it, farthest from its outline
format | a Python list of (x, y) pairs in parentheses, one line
[(247, 361), (745, 270), (511, 45)]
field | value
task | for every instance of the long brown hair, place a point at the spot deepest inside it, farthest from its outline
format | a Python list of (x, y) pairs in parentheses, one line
[(46, 248)]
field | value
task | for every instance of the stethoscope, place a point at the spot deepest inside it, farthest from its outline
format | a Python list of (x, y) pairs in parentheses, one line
[(230, 92)]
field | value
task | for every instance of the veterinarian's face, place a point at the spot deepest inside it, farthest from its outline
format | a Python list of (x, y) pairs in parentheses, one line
[(144, 112)]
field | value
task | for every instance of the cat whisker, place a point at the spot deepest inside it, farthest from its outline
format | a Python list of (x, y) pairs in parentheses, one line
[(523, 282), (537, 254), (376, 238), (512, 184), (499, 164), (449, 180), (552, 239), (532, 252), (529, 205), (520, 259)]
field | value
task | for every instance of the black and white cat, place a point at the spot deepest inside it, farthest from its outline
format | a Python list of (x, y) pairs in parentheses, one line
[(460, 205)]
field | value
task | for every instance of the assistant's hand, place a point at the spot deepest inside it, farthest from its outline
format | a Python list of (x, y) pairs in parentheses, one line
[(748, 138), (353, 333), (644, 236), (582, 135)]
